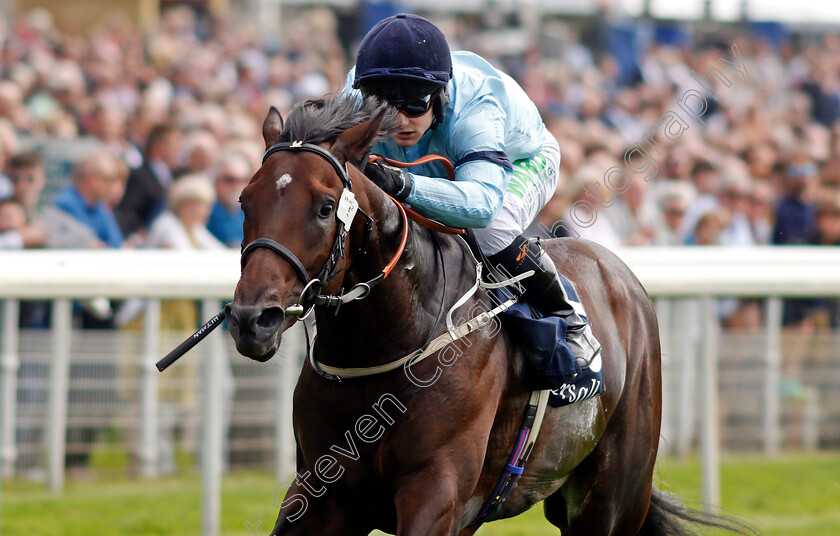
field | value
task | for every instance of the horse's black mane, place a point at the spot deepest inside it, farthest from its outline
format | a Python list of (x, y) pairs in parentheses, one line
[(320, 120)]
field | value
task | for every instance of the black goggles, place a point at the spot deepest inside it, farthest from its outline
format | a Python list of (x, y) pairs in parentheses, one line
[(412, 108)]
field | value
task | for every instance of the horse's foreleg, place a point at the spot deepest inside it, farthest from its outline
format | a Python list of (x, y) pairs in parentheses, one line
[(427, 505), (305, 514)]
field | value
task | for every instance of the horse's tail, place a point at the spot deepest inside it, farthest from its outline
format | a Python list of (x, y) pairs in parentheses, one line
[(667, 516)]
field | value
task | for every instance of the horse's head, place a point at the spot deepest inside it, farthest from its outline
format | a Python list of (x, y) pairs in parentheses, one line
[(294, 241)]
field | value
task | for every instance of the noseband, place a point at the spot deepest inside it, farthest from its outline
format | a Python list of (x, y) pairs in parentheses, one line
[(345, 215)]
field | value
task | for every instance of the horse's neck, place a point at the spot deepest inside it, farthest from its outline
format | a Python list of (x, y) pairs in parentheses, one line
[(399, 314)]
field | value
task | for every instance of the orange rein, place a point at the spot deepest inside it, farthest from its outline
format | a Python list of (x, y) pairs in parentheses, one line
[(416, 216)]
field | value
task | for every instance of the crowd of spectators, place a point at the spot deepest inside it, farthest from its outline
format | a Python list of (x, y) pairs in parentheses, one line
[(183, 102)]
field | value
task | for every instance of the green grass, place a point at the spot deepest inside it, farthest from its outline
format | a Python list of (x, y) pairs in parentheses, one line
[(793, 495)]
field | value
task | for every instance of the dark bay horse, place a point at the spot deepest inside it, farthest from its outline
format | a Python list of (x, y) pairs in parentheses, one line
[(416, 451)]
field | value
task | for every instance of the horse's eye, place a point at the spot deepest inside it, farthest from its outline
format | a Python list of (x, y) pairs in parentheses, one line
[(326, 210)]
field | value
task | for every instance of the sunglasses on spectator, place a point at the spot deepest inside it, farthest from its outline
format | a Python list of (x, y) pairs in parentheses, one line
[(230, 179), (802, 170), (23, 177), (735, 194)]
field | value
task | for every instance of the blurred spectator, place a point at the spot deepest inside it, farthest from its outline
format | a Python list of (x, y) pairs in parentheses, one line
[(704, 178), (12, 216), (27, 177), (12, 106), (761, 213), (183, 225), (709, 228), (632, 215), (827, 229), (108, 124), (26, 172), (87, 199), (201, 149), (145, 193), (115, 189), (796, 212), (226, 217), (796, 216), (58, 228), (585, 217), (734, 196), (674, 200)]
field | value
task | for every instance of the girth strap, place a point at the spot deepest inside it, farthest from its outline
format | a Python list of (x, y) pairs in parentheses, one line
[(527, 438)]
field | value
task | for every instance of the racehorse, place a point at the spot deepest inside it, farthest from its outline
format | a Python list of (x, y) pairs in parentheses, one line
[(410, 447)]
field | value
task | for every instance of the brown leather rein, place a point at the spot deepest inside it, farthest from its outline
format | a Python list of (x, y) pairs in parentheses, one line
[(412, 214)]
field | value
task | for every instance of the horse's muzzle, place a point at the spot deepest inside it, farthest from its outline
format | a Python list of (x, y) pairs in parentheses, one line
[(255, 329)]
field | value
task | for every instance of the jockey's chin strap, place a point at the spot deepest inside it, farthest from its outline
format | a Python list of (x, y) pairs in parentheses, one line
[(345, 215)]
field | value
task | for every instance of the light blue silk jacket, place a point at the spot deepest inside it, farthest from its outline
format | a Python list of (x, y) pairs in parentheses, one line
[(489, 123)]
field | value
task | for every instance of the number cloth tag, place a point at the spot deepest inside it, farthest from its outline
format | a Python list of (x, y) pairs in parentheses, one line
[(347, 207)]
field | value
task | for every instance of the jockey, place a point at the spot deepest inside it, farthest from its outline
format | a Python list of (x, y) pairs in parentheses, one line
[(457, 105)]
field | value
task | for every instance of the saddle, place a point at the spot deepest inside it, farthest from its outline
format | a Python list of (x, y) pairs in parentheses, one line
[(543, 338)]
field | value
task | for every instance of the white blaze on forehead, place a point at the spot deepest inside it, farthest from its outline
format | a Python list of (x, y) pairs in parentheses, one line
[(283, 181)]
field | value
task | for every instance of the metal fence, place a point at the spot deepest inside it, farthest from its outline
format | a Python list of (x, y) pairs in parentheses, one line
[(791, 401), (104, 431), (74, 401), (105, 417)]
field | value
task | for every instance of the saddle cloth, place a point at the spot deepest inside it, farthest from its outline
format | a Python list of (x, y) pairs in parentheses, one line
[(543, 339)]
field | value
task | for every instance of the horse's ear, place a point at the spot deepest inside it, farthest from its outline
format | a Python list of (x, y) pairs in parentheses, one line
[(355, 142), (272, 126)]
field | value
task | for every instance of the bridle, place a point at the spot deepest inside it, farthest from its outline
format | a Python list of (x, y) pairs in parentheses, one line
[(345, 212)]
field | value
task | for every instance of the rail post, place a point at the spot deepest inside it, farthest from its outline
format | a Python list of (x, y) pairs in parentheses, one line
[(149, 423), (211, 427), (710, 438), (62, 317)]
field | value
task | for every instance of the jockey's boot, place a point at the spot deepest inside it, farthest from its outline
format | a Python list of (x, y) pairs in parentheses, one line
[(550, 293)]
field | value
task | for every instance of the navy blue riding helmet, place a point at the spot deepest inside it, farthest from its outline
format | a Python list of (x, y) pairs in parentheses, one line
[(405, 60)]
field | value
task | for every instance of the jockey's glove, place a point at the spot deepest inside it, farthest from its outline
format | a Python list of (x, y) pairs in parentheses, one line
[(394, 181)]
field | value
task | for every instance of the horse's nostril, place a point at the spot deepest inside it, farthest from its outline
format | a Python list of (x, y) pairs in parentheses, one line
[(271, 317)]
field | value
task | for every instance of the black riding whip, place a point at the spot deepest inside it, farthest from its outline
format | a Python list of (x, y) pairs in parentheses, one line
[(194, 339)]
